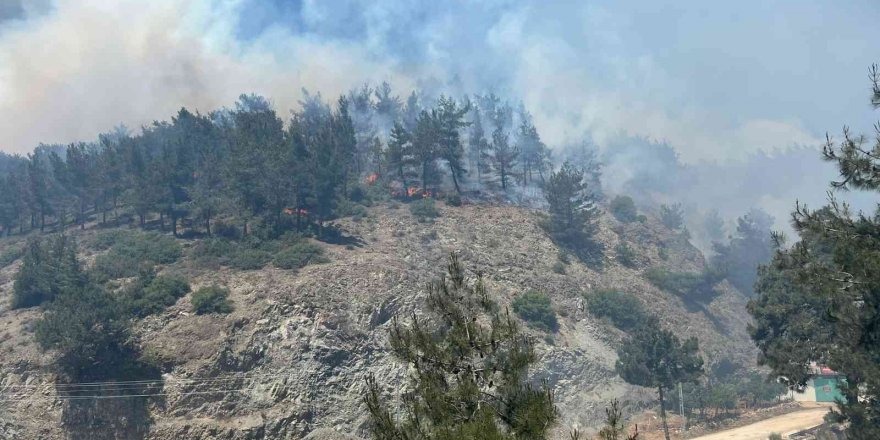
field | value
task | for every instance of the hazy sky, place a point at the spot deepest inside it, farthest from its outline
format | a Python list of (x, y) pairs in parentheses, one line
[(716, 79)]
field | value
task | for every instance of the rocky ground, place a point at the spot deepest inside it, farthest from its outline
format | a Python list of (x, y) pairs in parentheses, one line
[(290, 361)]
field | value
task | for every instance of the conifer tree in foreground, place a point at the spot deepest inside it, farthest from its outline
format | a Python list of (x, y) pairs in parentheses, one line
[(819, 299), (654, 357), (470, 364)]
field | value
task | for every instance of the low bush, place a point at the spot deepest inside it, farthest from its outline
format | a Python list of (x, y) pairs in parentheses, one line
[(623, 208), (624, 311), (213, 252), (453, 199), (626, 255), (424, 209), (9, 255), (558, 267), (131, 253), (152, 294), (300, 255), (694, 286), (212, 299), (250, 259), (535, 308), (348, 208), (104, 240), (225, 230)]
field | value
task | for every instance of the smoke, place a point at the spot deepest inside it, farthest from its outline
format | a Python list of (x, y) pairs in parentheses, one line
[(725, 84)]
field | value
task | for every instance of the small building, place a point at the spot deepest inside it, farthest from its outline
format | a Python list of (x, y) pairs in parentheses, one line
[(823, 387)]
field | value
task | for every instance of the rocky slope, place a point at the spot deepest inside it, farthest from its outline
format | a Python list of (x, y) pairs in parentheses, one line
[(290, 361)]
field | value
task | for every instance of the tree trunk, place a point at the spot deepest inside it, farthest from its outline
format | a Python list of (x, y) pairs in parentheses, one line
[(454, 179), (663, 412), (42, 221), (208, 225)]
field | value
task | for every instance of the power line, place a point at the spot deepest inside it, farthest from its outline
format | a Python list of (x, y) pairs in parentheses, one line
[(152, 382), (68, 391), (123, 396)]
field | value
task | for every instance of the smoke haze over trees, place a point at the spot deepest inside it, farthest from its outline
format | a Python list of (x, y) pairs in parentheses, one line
[(615, 88)]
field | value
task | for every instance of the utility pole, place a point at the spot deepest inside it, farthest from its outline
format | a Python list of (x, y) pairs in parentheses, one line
[(681, 406)]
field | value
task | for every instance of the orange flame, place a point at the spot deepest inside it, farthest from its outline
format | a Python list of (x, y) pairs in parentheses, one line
[(371, 179), (295, 211), (411, 191)]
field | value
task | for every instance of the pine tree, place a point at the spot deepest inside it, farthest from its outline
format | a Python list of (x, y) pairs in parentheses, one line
[(450, 120), (819, 299), (48, 269), (573, 213), (470, 371), (398, 155), (504, 157), (425, 148), (388, 106), (749, 248), (478, 147), (654, 357), (672, 216), (614, 429), (534, 154)]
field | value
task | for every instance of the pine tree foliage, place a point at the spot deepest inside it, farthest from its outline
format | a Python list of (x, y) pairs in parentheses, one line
[(672, 216), (470, 365), (819, 299), (478, 147), (615, 427), (248, 167), (48, 269), (654, 357), (750, 247), (504, 157), (574, 215)]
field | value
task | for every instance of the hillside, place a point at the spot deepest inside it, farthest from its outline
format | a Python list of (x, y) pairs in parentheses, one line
[(292, 356)]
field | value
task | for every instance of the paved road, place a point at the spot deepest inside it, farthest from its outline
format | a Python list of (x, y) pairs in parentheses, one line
[(785, 424)]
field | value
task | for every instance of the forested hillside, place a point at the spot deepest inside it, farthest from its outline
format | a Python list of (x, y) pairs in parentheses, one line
[(234, 275), (249, 165)]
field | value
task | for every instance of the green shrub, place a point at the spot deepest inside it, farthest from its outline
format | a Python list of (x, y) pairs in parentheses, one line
[(106, 239), (8, 256), (558, 267), (623, 208), (225, 230), (152, 294), (626, 255), (775, 436), (534, 307), (693, 286), (212, 299), (213, 252), (453, 199), (672, 216), (130, 253), (348, 208), (300, 255), (250, 259), (663, 253), (424, 209), (625, 311)]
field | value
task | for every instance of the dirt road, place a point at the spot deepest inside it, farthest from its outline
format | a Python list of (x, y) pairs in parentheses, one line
[(785, 424)]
